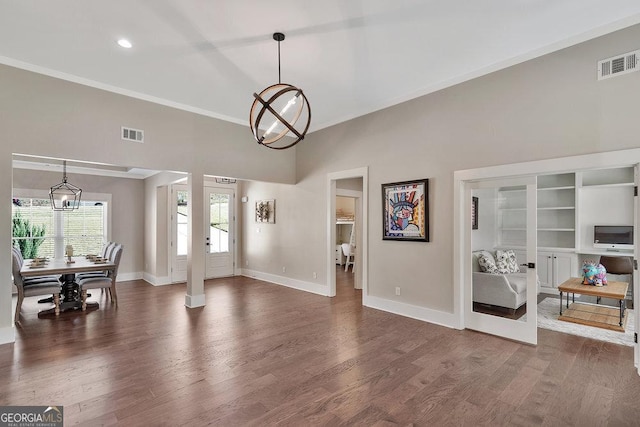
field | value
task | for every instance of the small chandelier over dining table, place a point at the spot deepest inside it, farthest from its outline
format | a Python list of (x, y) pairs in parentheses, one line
[(65, 196), (284, 111)]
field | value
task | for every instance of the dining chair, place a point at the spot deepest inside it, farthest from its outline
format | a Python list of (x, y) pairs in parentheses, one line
[(106, 254), (36, 286), (104, 282), (31, 280)]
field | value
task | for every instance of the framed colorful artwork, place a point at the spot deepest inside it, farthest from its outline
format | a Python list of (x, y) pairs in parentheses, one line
[(474, 213), (405, 211)]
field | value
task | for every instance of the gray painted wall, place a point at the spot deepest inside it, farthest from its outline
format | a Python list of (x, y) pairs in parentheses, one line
[(55, 118), (545, 108)]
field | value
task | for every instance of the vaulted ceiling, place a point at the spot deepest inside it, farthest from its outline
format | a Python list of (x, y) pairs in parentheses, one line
[(349, 57)]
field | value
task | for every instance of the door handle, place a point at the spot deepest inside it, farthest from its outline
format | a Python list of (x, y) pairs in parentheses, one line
[(529, 265)]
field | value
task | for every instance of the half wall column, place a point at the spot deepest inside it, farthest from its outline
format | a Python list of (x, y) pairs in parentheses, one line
[(195, 241), (7, 333)]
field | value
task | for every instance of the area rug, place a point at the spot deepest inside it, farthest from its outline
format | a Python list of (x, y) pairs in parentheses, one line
[(548, 311)]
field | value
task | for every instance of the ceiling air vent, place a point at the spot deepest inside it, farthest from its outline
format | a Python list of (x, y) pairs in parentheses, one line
[(618, 65), (134, 135)]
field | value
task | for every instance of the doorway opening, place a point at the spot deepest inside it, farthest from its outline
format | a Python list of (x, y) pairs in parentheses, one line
[(219, 232), (348, 208), (347, 231)]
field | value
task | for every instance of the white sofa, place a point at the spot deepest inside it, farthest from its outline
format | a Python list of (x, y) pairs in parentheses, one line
[(503, 290)]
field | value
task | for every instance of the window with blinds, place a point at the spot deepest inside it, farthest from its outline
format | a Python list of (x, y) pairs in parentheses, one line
[(84, 228), (38, 230), (33, 227)]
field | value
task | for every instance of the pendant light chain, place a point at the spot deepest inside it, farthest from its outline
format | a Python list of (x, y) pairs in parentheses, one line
[(279, 78)]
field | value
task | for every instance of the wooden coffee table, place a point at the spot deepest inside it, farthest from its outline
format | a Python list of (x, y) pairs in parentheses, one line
[(613, 290)]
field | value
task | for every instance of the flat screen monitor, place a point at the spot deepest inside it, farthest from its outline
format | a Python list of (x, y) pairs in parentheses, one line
[(613, 237)]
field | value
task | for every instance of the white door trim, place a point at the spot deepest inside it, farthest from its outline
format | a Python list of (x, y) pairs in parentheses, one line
[(331, 228)]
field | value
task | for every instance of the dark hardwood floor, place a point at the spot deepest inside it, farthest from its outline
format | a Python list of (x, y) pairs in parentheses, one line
[(261, 354)]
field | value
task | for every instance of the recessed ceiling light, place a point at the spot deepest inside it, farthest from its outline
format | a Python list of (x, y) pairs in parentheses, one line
[(125, 43)]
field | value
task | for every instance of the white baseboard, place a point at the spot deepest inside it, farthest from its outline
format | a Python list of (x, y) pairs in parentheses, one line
[(194, 301), (125, 277), (156, 281), (288, 282), (7, 335), (441, 318)]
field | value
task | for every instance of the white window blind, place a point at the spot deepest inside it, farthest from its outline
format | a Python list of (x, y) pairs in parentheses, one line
[(84, 228)]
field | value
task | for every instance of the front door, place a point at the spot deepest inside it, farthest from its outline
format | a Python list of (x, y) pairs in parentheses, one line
[(219, 239), (219, 232), (502, 302)]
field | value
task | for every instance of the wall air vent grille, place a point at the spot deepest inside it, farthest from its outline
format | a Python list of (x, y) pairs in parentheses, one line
[(134, 135), (619, 65)]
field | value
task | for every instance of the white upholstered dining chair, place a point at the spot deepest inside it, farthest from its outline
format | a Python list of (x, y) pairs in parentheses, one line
[(107, 281), (107, 249), (33, 286)]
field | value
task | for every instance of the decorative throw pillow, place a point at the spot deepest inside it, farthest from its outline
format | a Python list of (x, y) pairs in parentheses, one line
[(506, 262), (487, 263)]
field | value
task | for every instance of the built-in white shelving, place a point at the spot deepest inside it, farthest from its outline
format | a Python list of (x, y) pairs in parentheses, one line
[(605, 197), (556, 210)]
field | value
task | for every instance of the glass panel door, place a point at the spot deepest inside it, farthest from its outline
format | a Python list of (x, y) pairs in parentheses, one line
[(219, 229), (219, 238), (501, 292), (179, 226)]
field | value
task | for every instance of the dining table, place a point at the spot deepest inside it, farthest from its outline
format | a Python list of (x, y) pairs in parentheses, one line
[(67, 268)]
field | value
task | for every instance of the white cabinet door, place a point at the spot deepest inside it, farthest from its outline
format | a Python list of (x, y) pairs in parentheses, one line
[(564, 267), (545, 269)]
